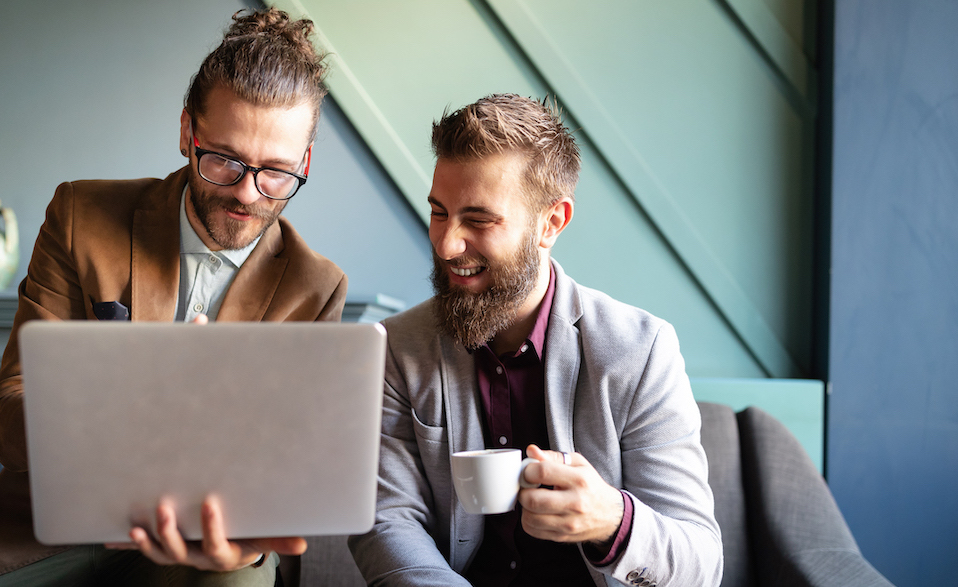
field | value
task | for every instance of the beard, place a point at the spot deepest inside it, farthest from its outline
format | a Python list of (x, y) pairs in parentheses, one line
[(231, 234), (474, 318)]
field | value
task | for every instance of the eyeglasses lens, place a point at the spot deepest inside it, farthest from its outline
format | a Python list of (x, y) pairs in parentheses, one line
[(273, 183)]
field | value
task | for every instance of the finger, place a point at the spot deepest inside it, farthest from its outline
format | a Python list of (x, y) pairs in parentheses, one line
[(200, 319), (222, 554), (289, 545), (551, 471), (564, 458), (168, 535), (293, 546), (553, 525), (544, 501), (150, 549)]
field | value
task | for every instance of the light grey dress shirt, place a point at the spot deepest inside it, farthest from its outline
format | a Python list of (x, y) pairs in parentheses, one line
[(205, 275)]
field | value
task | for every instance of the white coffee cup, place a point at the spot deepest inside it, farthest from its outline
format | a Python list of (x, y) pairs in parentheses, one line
[(488, 481)]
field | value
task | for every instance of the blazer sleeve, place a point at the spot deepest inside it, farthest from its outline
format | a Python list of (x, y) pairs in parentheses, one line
[(675, 539), (50, 291)]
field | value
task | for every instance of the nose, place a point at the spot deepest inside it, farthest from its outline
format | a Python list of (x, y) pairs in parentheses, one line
[(245, 190), (447, 240)]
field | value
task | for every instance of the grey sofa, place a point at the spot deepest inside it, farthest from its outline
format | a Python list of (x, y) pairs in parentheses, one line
[(780, 525)]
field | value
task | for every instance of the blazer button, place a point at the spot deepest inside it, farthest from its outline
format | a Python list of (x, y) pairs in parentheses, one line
[(632, 577)]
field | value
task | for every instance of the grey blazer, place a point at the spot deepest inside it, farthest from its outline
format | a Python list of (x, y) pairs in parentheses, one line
[(616, 392)]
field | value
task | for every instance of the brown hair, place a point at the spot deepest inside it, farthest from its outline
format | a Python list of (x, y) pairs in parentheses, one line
[(266, 59), (504, 123)]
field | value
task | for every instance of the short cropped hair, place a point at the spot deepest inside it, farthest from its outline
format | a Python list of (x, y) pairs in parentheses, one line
[(507, 123), (265, 59)]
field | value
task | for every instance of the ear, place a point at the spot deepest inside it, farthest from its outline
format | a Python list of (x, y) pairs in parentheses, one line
[(554, 220), (186, 133)]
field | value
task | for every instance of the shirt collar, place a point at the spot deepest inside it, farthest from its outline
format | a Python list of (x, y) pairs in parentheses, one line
[(190, 242), (537, 337)]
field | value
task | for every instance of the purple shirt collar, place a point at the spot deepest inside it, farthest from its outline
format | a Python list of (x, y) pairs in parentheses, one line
[(537, 337)]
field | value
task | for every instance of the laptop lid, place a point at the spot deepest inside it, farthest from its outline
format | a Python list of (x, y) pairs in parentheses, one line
[(280, 420)]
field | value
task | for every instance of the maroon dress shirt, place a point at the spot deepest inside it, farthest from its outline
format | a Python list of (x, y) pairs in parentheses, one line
[(512, 389)]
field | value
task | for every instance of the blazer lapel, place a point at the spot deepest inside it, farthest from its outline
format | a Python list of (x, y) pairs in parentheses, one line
[(461, 397), (562, 362), (155, 265), (464, 426), (256, 282)]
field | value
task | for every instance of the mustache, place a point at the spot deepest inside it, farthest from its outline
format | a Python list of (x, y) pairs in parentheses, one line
[(232, 205), (462, 261)]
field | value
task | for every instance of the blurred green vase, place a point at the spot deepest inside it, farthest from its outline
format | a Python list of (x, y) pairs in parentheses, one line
[(9, 246)]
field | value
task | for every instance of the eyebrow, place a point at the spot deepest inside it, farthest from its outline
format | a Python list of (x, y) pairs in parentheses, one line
[(468, 209), (227, 150)]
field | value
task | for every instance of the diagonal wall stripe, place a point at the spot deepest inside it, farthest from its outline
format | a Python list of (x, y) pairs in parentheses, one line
[(781, 51), (379, 134), (717, 282)]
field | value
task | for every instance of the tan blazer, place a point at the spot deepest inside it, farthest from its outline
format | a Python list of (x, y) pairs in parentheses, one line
[(106, 241)]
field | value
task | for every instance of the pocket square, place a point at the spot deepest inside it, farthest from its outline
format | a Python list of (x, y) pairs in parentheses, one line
[(110, 311)]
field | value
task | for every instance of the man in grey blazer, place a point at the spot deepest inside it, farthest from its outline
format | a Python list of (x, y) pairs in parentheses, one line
[(511, 352)]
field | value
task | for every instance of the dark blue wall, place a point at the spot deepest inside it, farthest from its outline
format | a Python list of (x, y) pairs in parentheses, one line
[(893, 358)]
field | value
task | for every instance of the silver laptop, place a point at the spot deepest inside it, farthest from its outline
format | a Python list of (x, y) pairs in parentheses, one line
[(281, 421)]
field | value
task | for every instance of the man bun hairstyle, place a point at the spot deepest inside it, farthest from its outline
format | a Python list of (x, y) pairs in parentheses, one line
[(265, 59), (508, 123)]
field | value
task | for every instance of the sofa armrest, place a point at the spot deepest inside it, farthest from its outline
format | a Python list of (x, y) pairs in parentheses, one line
[(797, 533)]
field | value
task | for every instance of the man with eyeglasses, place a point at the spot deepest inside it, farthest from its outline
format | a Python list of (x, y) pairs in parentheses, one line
[(206, 243)]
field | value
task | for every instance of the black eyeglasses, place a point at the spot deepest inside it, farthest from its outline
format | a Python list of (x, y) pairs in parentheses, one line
[(224, 170)]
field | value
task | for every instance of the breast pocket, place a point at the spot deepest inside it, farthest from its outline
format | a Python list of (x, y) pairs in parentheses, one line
[(433, 441)]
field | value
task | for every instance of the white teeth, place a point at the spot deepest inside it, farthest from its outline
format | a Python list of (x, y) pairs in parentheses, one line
[(466, 272)]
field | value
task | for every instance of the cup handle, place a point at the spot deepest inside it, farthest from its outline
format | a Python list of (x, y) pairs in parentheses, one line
[(522, 474)]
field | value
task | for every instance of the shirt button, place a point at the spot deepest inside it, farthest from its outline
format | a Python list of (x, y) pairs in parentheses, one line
[(503, 440), (499, 369), (213, 259), (523, 348), (513, 565), (197, 307)]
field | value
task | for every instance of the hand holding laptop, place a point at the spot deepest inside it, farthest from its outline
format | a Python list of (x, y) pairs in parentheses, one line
[(141, 422), (214, 552)]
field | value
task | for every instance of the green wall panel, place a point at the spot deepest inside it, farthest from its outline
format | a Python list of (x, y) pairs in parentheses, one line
[(709, 143), (694, 198), (798, 403)]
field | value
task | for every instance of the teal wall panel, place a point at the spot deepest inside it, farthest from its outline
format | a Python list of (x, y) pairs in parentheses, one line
[(683, 107), (799, 404), (694, 200)]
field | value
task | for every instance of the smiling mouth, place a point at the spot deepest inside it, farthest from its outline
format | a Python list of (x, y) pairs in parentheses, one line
[(240, 214), (467, 272)]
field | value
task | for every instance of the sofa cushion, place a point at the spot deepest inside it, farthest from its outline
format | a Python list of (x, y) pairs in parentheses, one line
[(720, 439), (328, 562)]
